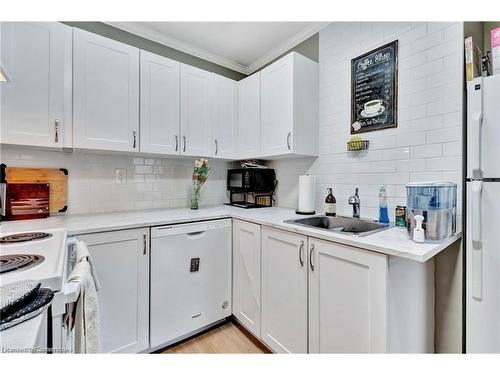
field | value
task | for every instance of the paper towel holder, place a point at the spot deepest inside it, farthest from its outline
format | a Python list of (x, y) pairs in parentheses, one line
[(298, 211)]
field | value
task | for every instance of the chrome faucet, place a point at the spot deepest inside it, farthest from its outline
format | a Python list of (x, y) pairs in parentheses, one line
[(354, 200)]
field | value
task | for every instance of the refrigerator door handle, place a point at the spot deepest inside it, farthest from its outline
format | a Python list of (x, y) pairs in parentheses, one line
[(477, 188), (477, 121), (477, 256)]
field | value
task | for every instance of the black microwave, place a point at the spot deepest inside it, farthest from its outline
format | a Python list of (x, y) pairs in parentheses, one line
[(251, 180)]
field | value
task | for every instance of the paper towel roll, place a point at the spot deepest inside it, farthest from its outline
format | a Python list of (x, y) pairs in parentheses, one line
[(306, 194)]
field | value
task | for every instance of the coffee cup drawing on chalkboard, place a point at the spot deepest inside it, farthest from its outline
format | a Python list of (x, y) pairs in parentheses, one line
[(372, 108)]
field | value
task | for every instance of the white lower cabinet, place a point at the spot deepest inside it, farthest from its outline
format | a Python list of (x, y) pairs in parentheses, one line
[(347, 299), (121, 259), (284, 291), (246, 274), (319, 296), (297, 294)]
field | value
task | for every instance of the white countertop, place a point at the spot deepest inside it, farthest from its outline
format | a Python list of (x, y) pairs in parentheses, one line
[(392, 241)]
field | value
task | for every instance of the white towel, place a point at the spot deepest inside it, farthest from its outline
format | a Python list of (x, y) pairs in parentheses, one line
[(83, 315), (82, 251)]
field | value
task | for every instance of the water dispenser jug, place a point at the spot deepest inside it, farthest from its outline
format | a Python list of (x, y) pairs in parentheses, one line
[(437, 203)]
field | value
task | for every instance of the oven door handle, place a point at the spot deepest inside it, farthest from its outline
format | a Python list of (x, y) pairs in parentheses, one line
[(71, 292)]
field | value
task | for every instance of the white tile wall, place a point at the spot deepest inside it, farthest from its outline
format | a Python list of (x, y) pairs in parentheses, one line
[(151, 182), (426, 145)]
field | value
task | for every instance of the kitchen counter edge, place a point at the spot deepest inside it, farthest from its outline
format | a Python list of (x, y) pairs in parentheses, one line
[(392, 242)]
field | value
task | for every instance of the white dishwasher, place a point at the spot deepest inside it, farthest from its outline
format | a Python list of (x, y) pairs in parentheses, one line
[(190, 279)]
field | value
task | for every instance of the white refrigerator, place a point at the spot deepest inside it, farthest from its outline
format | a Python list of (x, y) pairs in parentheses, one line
[(483, 216)]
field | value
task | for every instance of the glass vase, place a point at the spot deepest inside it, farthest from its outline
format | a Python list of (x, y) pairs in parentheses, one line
[(195, 197)]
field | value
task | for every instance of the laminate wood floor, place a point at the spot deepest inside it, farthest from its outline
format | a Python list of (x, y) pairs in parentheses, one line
[(228, 338)]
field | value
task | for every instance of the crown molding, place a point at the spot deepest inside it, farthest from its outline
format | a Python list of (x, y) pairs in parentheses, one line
[(285, 46), (157, 37)]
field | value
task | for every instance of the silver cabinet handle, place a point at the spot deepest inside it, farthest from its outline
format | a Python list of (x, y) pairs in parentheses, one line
[(311, 257), (134, 134), (288, 140), (216, 147), (185, 142), (56, 131), (145, 238), (176, 143), (301, 250)]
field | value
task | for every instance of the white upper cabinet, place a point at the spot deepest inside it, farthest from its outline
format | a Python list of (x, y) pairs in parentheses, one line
[(246, 274), (160, 104), (196, 132), (289, 107), (249, 117), (348, 301), (36, 100), (71, 88), (105, 93), (284, 291), (224, 117)]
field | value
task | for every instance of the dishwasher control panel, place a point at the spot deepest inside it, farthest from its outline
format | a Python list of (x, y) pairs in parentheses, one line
[(195, 265), (189, 228)]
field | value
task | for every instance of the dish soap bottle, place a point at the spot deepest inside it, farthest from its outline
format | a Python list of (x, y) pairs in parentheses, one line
[(382, 198), (330, 204)]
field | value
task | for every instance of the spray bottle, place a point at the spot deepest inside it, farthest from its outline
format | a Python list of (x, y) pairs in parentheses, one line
[(382, 198)]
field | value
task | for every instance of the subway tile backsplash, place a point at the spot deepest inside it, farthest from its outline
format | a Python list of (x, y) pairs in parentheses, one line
[(150, 182), (426, 145)]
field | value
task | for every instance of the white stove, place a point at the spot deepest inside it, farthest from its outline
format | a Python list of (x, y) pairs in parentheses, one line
[(42, 256), (38, 256)]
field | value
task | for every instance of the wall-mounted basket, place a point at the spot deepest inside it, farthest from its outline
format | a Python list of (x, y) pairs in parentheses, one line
[(358, 145)]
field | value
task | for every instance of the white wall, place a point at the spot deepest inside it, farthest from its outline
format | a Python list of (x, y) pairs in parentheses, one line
[(426, 145), (151, 182)]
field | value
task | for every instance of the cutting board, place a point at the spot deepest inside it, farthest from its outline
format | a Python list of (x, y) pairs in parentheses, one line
[(56, 178)]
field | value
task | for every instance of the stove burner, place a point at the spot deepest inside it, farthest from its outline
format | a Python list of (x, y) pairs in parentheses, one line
[(14, 262), (24, 237)]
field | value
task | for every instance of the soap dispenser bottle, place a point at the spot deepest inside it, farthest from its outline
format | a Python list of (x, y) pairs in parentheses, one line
[(330, 204), (382, 198)]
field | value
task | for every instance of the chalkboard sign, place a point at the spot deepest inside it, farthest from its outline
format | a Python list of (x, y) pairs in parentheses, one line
[(374, 89)]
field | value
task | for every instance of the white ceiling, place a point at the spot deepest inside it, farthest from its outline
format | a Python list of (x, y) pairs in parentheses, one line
[(241, 46)]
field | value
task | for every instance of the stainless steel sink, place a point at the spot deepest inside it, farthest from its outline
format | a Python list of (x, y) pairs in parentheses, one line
[(341, 224)]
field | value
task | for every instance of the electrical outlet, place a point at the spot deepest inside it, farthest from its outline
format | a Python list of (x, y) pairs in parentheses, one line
[(120, 176)]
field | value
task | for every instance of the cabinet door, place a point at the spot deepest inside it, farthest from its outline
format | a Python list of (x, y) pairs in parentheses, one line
[(160, 112), (121, 259), (196, 133), (106, 93), (347, 299), (249, 117), (224, 117), (277, 107), (284, 291), (36, 100), (246, 274)]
